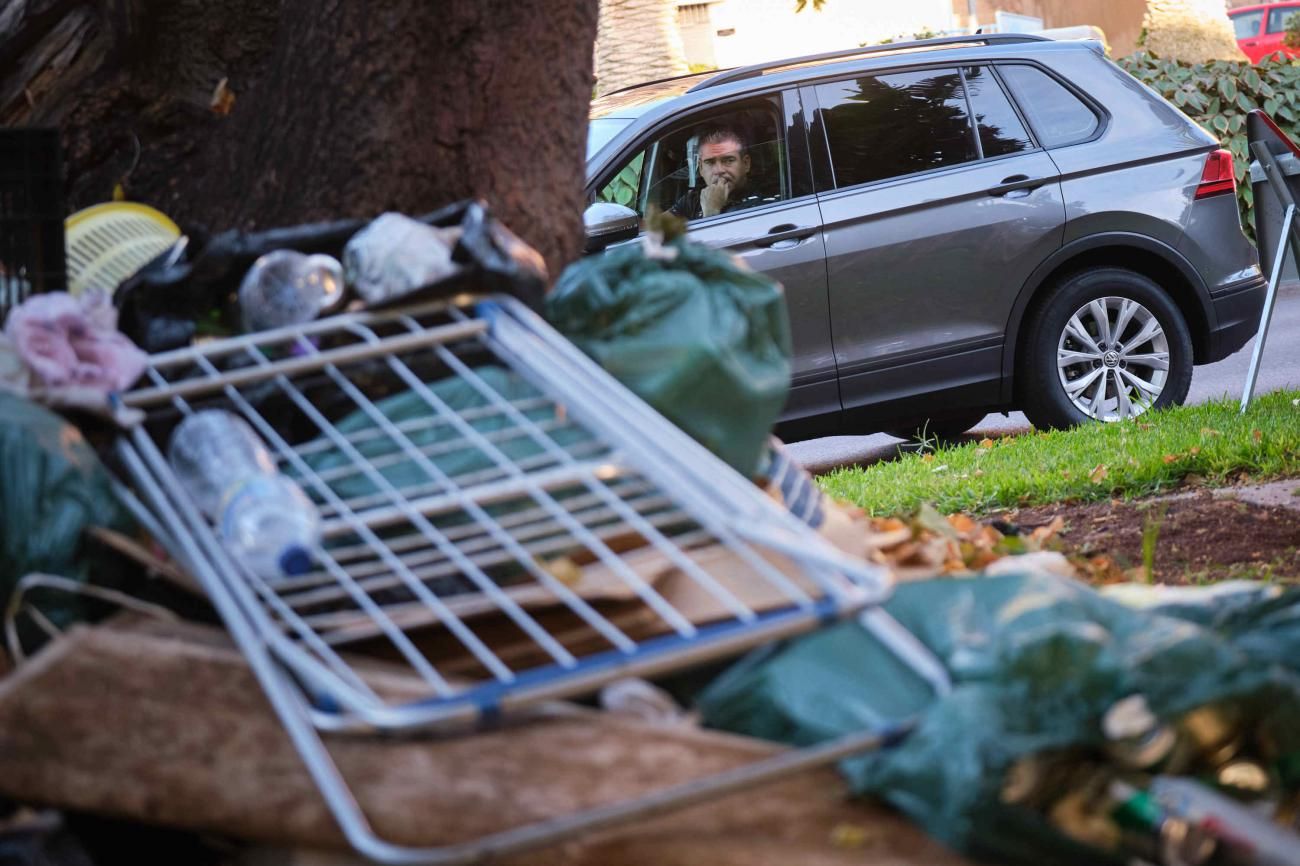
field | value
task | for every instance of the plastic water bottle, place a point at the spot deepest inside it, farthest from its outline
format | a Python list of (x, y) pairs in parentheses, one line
[(1254, 839), (285, 287), (263, 518)]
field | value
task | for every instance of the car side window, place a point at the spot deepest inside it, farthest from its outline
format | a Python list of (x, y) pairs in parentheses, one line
[(1057, 116), (1277, 18), (1000, 130), (741, 150), (625, 187), (883, 126), (1246, 25)]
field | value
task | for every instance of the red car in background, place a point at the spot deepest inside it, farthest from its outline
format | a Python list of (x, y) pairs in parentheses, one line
[(1261, 30)]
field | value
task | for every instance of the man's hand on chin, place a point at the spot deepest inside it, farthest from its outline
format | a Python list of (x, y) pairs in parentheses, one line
[(714, 197)]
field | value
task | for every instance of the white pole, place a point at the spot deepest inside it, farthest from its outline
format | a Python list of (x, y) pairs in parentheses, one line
[(1266, 316)]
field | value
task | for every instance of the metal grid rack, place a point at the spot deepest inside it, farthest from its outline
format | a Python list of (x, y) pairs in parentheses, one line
[(501, 519)]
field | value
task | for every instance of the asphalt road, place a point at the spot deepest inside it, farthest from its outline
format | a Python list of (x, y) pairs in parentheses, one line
[(1280, 369)]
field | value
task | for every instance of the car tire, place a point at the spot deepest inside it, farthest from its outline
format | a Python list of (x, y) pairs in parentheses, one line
[(944, 430), (1075, 368)]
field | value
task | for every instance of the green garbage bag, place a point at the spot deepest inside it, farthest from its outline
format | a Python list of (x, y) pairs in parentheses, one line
[(52, 487), (698, 336), (1035, 663)]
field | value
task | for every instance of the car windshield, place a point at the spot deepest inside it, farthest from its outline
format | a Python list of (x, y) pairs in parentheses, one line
[(600, 131)]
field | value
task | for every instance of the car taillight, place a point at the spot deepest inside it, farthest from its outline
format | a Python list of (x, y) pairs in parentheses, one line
[(1218, 176)]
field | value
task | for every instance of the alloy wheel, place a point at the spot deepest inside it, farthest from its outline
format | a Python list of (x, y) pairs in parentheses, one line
[(1113, 359)]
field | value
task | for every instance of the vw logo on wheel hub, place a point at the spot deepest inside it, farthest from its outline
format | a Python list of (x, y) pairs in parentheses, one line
[(1110, 359)]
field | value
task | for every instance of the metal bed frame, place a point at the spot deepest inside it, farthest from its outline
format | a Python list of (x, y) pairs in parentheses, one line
[(563, 465)]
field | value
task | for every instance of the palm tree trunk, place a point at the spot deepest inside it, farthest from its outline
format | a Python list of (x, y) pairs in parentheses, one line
[(637, 41)]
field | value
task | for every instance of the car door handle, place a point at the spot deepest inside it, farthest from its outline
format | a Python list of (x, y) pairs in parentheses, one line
[(1016, 182), (1251, 44), (783, 233)]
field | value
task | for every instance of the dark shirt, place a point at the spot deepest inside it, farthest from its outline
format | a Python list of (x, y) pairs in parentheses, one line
[(688, 206)]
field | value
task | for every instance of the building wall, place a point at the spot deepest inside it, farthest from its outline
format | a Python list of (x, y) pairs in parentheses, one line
[(726, 33), (632, 44), (1120, 20), (754, 31), (695, 21)]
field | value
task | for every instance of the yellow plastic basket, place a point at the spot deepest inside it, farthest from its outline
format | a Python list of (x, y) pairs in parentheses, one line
[(109, 242)]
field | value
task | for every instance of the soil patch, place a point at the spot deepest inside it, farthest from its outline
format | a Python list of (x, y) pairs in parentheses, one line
[(1196, 537)]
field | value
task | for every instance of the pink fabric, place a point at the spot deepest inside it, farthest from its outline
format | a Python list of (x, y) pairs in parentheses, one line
[(74, 341)]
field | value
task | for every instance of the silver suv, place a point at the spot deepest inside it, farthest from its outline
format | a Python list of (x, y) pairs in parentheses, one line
[(962, 225)]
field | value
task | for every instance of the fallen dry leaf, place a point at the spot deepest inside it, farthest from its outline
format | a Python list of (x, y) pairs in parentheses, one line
[(1194, 450), (1138, 575), (563, 569), (889, 538), (930, 520), (961, 523), (904, 553), (986, 442), (1257, 434), (223, 98), (1051, 530), (1210, 431), (1170, 458), (927, 458), (1099, 474), (850, 835)]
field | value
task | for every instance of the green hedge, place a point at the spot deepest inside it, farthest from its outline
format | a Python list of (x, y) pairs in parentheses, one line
[(1218, 95)]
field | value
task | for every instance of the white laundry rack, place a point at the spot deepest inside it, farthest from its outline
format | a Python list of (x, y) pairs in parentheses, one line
[(472, 517)]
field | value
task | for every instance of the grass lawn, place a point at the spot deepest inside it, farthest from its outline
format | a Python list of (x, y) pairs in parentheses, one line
[(1211, 443)]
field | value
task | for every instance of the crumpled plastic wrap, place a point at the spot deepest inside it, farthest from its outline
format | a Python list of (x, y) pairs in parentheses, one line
[(395, 255), (82, 384), (73, 341)]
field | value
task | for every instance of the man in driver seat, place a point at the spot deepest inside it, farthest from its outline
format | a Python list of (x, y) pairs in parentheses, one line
[(724, 166)]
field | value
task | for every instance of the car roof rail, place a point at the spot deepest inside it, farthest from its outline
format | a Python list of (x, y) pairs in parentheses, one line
[(742, 72), (628, 87)]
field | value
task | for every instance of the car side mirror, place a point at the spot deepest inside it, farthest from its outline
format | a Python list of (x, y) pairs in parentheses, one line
[(608, 223)]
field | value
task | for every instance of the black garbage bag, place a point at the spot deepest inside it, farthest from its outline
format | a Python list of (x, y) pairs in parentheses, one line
[(161, 306), (52, 487), (694, 333), (1035, 662)]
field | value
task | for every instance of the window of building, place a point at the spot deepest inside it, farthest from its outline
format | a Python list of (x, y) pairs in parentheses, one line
[(693, 13), (885, 126), (1057, 116)]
